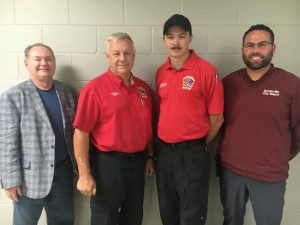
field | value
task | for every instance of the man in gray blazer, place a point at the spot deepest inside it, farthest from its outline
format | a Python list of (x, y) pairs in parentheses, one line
[(36, 166)]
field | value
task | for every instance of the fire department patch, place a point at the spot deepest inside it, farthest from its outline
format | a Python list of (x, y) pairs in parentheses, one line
[(142, 92), (188, 82)]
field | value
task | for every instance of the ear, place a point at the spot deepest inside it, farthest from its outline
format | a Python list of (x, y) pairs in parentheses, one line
[(25, 62), (274, 48), (191, 38)]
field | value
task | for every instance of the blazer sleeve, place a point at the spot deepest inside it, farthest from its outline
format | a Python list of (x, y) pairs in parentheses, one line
[(10, 169)]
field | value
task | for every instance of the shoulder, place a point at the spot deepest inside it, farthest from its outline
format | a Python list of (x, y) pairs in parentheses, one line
[(63, 85), (285, 74), (161, 68), (203, 62), (233, 76), (65, 89), (142, 83), (17, 90), (284, 78), (99, 81), (95, 88), (205, 67)]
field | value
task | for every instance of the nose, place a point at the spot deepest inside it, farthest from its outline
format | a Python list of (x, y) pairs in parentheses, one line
[(122, 57), (176, 41), (256, 49), (43, 61)]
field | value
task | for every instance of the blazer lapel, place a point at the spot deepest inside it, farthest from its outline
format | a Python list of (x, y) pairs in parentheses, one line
[(62, 101), (38, 104)]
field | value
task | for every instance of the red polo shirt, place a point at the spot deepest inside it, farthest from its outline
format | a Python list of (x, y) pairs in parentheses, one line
[(117, 117), (187, 96)]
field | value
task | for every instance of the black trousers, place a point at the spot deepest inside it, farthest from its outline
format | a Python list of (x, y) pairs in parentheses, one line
[(120, 189), (183, 172)]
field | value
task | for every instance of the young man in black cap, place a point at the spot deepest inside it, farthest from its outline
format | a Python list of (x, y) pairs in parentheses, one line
[(191, 112)]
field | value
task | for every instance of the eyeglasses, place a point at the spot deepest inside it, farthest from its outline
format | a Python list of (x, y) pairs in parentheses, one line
[(39, 59), (260, 45)]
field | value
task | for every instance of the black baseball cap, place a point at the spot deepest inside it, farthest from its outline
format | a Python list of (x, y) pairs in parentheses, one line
[(178, 20)]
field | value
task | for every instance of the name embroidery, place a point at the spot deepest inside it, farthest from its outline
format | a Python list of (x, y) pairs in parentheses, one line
[(114, 93), (161, 85), (271, 92)]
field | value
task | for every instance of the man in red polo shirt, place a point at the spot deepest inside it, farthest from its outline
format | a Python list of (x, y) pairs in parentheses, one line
[(114, 117), (190, 97)]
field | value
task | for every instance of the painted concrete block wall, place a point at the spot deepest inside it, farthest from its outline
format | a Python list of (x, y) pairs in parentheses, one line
[(77, 29)]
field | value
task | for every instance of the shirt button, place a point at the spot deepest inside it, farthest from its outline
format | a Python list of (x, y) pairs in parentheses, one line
[(52, 146), (52, 165)]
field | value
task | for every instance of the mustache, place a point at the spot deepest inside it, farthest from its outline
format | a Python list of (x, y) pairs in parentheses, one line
[(177, 47)]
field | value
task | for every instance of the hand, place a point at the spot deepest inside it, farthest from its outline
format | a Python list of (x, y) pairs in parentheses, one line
[(13, 193), (86, 185), (149, 167)]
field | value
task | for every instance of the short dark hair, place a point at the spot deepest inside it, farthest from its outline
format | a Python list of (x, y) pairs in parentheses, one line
[(178, 20), (29, 47), (260, 27)]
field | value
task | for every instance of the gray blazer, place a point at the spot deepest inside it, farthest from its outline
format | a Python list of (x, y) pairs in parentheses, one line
[(27, 141)]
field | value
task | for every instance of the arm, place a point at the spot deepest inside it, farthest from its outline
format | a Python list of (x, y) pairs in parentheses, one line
[(295, 146), (150, 159), (10, 168), (86, 183), (216, 122), (295, 123)]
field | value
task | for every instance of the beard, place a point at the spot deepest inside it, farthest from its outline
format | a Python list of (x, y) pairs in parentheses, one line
[(266, 60)]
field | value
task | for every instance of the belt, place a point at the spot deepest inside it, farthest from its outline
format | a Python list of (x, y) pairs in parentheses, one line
[(185, 144), (124, 155)]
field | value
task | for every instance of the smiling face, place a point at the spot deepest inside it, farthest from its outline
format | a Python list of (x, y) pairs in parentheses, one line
[(120, 56), (40, 64), (258, 50), (177, 42)]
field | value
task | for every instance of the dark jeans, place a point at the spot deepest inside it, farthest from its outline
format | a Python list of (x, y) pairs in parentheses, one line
[(58, 203), (267, 199), (183, 172), (120, 189)]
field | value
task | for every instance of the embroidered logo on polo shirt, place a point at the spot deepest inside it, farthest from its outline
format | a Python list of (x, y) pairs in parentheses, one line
[(188, 82), (116, 93), (142, 92), (271, 92), (164, 84)]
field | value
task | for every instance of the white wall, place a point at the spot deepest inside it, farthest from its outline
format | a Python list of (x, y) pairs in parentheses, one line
[(76, 30)]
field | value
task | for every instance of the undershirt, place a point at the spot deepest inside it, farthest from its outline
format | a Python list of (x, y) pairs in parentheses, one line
[(52, 106)]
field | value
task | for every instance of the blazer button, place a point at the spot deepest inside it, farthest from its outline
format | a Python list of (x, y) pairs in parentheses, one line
[(52, 165), (52, 146)]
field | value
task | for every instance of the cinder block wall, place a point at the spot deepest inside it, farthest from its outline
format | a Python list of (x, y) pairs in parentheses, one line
[(77, 29)]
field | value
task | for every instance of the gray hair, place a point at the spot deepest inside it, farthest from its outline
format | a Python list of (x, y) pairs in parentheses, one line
[(29, 47), (118, 36)]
